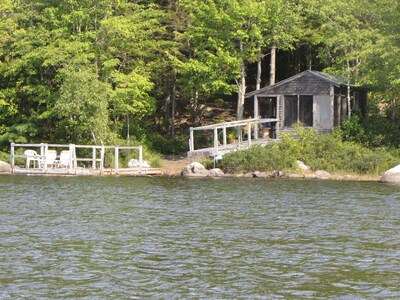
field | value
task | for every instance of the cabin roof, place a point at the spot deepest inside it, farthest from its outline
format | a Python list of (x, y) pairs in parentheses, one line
[(335, 80)]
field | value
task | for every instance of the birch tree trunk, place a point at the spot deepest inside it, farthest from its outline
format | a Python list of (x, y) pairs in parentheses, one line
[(242, 91), (173, 105), (348, 96), (242, 88), (258, 79), (272, 66)]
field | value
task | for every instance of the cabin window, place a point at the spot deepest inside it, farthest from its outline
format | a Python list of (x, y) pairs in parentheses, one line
[(298, 109)]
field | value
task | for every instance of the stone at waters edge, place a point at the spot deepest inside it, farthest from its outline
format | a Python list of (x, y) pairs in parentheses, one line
[(392, 175), (195, 169), (4, 166)]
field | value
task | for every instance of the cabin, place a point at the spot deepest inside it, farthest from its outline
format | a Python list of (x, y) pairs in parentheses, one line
[(312, 98)]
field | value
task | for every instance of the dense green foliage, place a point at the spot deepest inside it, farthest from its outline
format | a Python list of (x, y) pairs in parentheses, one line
[(100, 71), (319, 151)]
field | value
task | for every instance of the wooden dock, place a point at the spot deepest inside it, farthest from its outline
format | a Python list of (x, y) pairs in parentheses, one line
[(71, 159)]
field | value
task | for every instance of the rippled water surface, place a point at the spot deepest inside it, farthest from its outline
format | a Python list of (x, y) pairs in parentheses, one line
[(162, 238)]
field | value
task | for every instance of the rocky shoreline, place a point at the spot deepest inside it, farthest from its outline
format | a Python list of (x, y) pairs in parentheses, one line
[(183, 167), (197, 170)]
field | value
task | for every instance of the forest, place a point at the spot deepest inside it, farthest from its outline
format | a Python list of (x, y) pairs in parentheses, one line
[(125, 71)]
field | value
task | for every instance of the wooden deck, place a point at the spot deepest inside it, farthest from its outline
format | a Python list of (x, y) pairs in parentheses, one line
[(89, 172)]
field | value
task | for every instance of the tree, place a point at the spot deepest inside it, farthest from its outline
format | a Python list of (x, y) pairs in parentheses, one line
[(83, 107)]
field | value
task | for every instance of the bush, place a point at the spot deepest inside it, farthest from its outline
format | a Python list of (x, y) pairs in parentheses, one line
[(319, 151), (258, 158), (167, 144)]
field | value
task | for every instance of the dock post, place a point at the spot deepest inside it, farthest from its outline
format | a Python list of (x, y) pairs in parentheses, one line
[(256, 116), (70, 166), (94, 158), (101, 159), (43, 154), (191, 140), (248, 134), (140, 159), (224, 135), (116, 159), (12, 157), (215, 141)]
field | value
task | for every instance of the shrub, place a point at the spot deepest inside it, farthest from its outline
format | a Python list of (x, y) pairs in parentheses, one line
[(168, 144), (319, 151)]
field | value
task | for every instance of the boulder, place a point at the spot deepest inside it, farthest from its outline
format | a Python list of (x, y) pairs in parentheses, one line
[(195, 169), (258, 174), (310, 176), (5, 167), (392, 175), (295, 176), (322, 174), (134, 163), (303, 167), (216, 173)]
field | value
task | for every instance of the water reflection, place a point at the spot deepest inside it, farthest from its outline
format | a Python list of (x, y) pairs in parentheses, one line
[(135, 238)]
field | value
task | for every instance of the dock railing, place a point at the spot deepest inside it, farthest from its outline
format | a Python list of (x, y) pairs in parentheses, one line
[(69, 163), (252, 125)]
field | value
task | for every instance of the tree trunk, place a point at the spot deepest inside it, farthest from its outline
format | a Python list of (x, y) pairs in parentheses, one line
[(348, 96), (242, 91), (272, 66), (242, 88), (127, 126), (173, 105), (258, 79)]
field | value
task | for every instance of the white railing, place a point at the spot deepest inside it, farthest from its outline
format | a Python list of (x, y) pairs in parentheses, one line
[(248, 123), (71, 161)]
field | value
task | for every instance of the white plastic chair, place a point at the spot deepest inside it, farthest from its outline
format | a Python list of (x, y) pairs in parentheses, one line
[(31, 156), (64, 159), (51, 158)]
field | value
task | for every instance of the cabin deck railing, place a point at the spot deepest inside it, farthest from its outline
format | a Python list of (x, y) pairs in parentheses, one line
[(252, 125), (97, 162)]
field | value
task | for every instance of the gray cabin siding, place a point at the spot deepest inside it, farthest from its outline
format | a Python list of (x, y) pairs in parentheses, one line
[(329, 100)]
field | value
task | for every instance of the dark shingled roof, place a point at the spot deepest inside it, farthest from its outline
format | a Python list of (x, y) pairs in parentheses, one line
[(335, 80)]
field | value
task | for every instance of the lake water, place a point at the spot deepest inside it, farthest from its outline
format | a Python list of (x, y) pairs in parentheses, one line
[(172, 238)]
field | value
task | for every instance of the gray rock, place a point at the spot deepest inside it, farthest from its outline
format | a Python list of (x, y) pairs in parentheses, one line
[(195, 169), (392, 175), (322, 174), (302, 166), (216, 173), (265, 174), (295, 176), (134, 163), (5, 167), (310, 176)]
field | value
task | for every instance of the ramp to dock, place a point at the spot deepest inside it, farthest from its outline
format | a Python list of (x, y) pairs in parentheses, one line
[(253, 130)]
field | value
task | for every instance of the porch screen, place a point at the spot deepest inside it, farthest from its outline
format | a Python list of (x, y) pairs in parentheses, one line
[(298, 109), (306, 110), (291, 111)]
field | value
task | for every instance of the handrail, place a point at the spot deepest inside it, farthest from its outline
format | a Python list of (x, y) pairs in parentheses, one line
[(215, 127), (73, 159)]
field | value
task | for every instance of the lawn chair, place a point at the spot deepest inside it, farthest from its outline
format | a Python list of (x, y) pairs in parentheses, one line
[(31, 156), (50, 159), (65, 159)]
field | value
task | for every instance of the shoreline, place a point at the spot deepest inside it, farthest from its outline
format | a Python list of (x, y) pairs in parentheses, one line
[(172, 166)]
